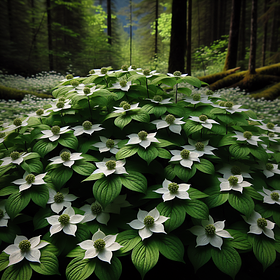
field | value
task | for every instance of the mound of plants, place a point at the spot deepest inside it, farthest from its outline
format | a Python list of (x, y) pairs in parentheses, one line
[(118, 176)]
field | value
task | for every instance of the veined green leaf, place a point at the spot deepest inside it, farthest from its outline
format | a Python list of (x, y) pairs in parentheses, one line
[(83, 168), (184, 90), (40, 195), (109, 271), (4, 260), (135, 181), (148, 154), (197, 209), (122, 120), (162, 153), (127, 151), (44, 146), (68, 140), (190, 127), (216, 199), (169, 173), (241, 202), (128, 239), (184, 173), (141, 116), (239, 151), (60, 176), (18, 272), (239, 240), (39, 219), (205, 166), (192, 81), (199, 255), (16, 202), (159, 110), (259, 153), (80, 268), (33, 166), (196, 194)]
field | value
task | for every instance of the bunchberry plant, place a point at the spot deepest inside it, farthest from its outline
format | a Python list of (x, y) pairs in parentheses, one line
[(116, 166)]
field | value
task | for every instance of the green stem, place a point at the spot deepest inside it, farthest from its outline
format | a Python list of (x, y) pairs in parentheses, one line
[(176, 88), (89, 109), (147, 87)]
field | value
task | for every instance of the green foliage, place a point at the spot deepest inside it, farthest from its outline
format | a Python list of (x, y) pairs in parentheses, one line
[(139, 171)]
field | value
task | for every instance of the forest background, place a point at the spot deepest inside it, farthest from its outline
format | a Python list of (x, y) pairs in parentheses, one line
[(73, 36)]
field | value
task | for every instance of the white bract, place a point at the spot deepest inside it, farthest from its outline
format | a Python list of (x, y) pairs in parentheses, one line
[(109, 166), (204, 121), (200, 147), (15, 158), (126, 107), (248, 137), (66, 222), (143, 138), (234, 182), (28, 180), (4, 217), (100, 246), (122, 85), (159, 100), (107, 145), (197, 98), (87, 127), (54, 133), (170, 190), (269, 169), (259, 225), (270, 197), (210, 232), (17, 123), (95, 211), (148, 223), (174, 124), (185, 157), (25, 248), (66, 158), (235, 168)]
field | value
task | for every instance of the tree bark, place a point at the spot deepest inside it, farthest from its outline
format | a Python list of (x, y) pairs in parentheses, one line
[(264, 34), (50, 42), (253, 38), (109, 22), (189, 41)]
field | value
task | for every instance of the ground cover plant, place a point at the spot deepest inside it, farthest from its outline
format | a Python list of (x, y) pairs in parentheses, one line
[(117, 173)]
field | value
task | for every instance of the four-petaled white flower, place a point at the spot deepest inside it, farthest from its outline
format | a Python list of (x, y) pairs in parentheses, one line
[(177, 74), (269, 169), (17, 123), (66, 221), (197, 98), (248, 137), (95, 211), (100, 246), (259, 225), (107, 145), (123, 85), (171, 190), (28, 180), (60, 199), (230, 107), (143, 138), (185, 157), (271, 127), (148, 223), (204, 121), (174, 124), (200, 147), (4, 217), (24, 248), (235, 168), (210, 232), (67, 158), (158, 99), (234, 182), (54, 133), (15, 158), (148, 73), (127, 107), (60, 105), (270, 197), (86, 127), (109, 166)]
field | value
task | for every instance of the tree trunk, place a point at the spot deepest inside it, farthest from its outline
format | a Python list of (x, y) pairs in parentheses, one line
[(189, 41), (253, 39), (231, 58), (130, 32), (264, 35), (50, 42), (156, 27), (242, 37), (109, 22), (178, 36)]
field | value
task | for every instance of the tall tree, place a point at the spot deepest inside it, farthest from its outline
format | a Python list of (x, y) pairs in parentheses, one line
[(50, 34), (253, 38), (178, 36), (265, 21), (189, 40), (231, 58), (109, 22)]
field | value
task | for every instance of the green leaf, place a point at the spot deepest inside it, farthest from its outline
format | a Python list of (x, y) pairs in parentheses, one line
[(34, 166), (171, 247), (80, 268), (68, 140), (184, 90), (44, 146), (128, 239), (240, 240), (259, 153), (39, 219), (122, 120), (106, 189), (127, 151), (141, 116), (135, 181), (109, 271), (197, 209), (239, 151), (16, 202), (83, 167), (169, 173), (8, 190), (162, 153), (4, 260), (191, 127), (159, 110), (76, 252), (18, 272), (241, 202), (205, 166), (216, 199), (226, 140), (196, 194), (145, 256), (199, 256), (40, 195), (48, 264), (184, 173), (148, 154), (192, 81), (60, 176), (227, 260)]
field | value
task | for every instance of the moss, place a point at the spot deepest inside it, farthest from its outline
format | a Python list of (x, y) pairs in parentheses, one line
[(269, 93)]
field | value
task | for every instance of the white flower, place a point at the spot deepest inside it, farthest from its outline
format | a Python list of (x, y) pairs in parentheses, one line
[(199, 147), (54, 133), (100, 246), (91, 90), (123, 85), (109, 166), (2, 136), (248, 137), (158, 99), (67, 158), (39, 113), (185, 157), (60, 105), (60, 199), (177, 74), (271, 136), (260, 225), (269, 169), (234, 183), (24, 248), (28, 180), (107, 145), (148, 223), (174, 124), (197, 98), (229, 107), (235, 168), (87, 127), (95, 211), (148, 73), (15, 158), (171, 190), (210, 232), (17, 123), (4, 217), (66, 222), (270, 197), (271, 127), (101, 72), (126, 107), (143, 138), (204, 121)]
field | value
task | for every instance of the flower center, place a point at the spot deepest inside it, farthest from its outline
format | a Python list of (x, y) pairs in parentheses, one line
[(185, 154), (1, 214), (233, 180), (146, 72), (177, 73), (87, 125), (270, 125), (142, 135), (271, 134), (123, 103), (91, 71), (58, 198), (2, 134), (170, 119), (199, 146), (15, 155), (69, 77), (210, 230), (209, 92), (64, 219), (103, 70), (229, 104), (86, 90), (157, 98), (149, 221), (62, 99), (126, 106), (173, 187), (110, 143), (24, 246), (40, 112), (222, 103), (111, 164), (133, 67), (60, 104), (123, 83), (65, 156), (30, 178), (203, 118), (17, 122), (96, 208), (274, 196), (269, 166), (99, 244), (235, 170), (262, 223), (55, 130), (247, 134), (124, 68), (74, 83), (196, 97)]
